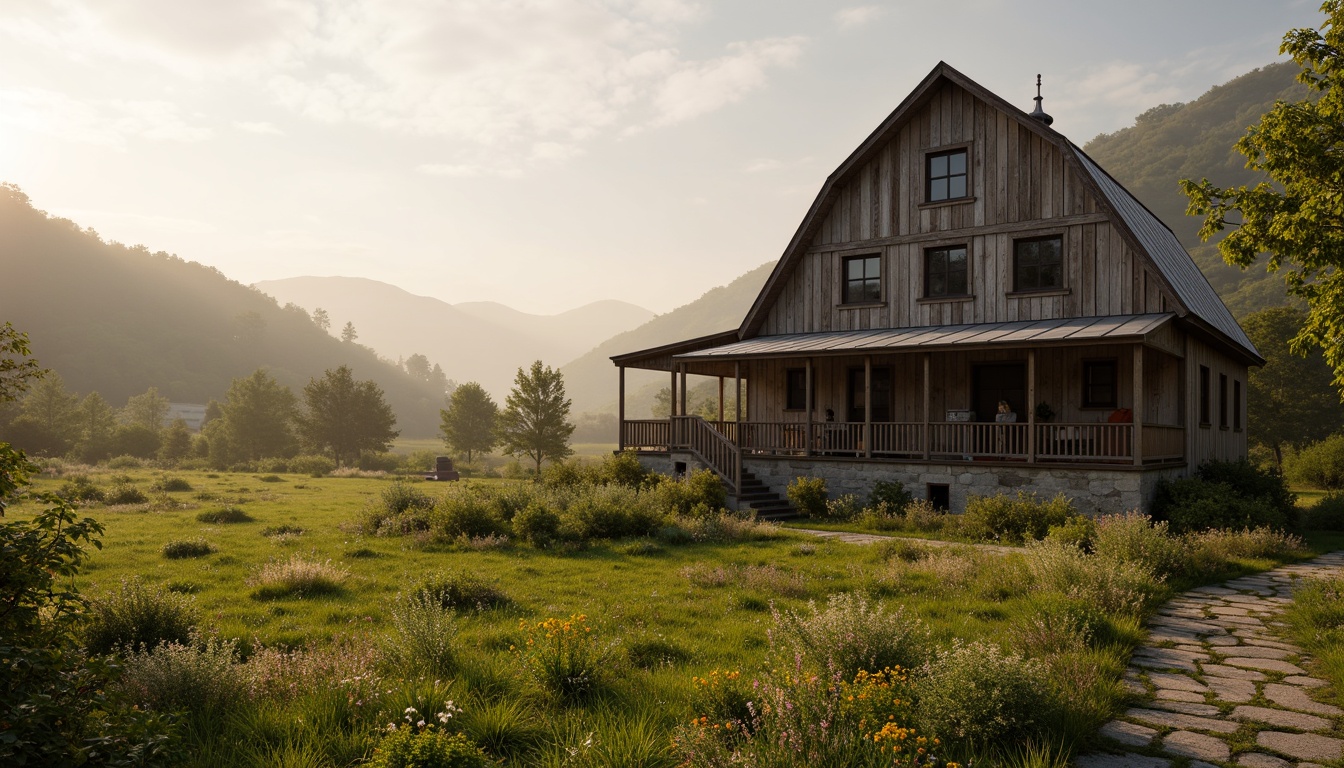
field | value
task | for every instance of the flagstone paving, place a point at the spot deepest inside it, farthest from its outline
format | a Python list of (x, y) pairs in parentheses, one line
[(1217, 684)]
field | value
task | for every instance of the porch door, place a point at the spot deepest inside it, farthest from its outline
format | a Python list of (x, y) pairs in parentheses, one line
[(881, 395), (992, 382)]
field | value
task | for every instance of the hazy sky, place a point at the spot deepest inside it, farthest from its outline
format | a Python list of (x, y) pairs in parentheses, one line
[(540, 153)]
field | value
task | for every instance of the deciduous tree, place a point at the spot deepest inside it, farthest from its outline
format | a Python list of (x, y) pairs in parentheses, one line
[(321, 319), (535, 422), (258, 413), (148, 410), (1289, 400), (97, 422), (1299, 218), (48, 421), (344, 417), (468, 423)]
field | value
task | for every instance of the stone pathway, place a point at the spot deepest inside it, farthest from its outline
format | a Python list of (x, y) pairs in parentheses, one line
[(1217, 684)]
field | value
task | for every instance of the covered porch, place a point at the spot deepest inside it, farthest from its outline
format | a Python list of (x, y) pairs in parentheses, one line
[(1080, 392)]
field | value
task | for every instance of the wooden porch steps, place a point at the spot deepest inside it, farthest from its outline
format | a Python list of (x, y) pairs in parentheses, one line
[(767, 504)]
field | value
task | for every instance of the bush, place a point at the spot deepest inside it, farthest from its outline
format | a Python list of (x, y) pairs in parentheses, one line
[(563, 656), (1134, 538), (312, 465), (889, 492), (124, 462), (700, 492), (297, 577), (537, 525), (611, 512), (721, 527), (79, 488), (424, 633), (224, 515), (846, 507), (402, 496), (1014, 519), (122, 492), (204, 680), (461, 590), (1326, 515), (464, 512), (624, 469), (428, 747), (1252, 482), (1319, 465), (169, 484), (808, 496), (849, 635), (182, 548), (978, 695), (1212, 551), (566, 474), (1115, 586), (1076, 531), (135, 616), (1195, 504)]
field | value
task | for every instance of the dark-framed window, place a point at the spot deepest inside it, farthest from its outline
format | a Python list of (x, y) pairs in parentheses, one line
[(1099, 377), (945, 175), (1038, 263), (1222, 401), (795, 389), (863, 279), (946, 272), (1204, 396), (1236, 405)]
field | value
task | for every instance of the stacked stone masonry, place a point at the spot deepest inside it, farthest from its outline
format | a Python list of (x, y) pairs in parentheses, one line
[(1216, 664)]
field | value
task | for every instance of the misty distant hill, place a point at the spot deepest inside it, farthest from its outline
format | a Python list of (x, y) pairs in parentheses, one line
[(1171, 142), (591, 380), (483, 342), (119, 320)]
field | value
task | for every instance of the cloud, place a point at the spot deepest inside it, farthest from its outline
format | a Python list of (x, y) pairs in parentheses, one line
[(105, 122), (856, 15), (762, 164), (698, 88), (260, 127)]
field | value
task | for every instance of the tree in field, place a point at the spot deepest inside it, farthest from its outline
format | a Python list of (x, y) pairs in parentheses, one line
[(348, 333), (1299, 218), (535, 420), (48, 421), (1289, 401), (97, 423), (148, 410), (321, 319), (344, 417), (468, 423), (258, 414), (176, 443)]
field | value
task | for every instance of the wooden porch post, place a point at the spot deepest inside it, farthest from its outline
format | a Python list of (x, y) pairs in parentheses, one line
[(1137, 409), (620, 411), (720, 399), (807, 405), (928, 402), (737, 418), (682, 393), (868, 406), (1031, 406), (672, 394)]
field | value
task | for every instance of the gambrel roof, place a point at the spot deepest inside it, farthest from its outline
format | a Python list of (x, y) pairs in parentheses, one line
[(1199, 307)]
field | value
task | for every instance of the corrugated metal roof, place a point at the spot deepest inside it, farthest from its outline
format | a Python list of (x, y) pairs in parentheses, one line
[(1061, 330), (1169, 255)]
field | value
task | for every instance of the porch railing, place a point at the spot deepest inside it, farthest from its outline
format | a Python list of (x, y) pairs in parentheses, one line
[(718, 443)]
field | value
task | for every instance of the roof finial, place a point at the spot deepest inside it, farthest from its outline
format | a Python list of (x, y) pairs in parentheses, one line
[(1039, 113)]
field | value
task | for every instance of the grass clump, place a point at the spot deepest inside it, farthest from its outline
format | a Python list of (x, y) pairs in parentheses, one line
[(170, 484), (203, 679), (1316, 621), (224, 515), (272, 531), (135, 616), (564, 657), (1115, 585), (297, 577), (423, 639), (461, 590), (850, 634), (124, 492), (980, 697), (183, 548), (79, 489)]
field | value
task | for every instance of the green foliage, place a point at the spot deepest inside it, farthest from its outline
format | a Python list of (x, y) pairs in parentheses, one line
[(1320, 465), (147, 410), (625, 469), (1133, 537), (170, 484), (79, 488), (401, 496), (345, 417), (1290, 401), (1115, 586), (1014, 519), (535, 421), (203, 679), (97, 421), (980, 696), (850, 634), (424, 636), (889, 492), (135, 615), (48, 423), (808, 496), (1197, 504), (258, 415), (180, 548), (1296, 219), (461, 591), (312, 465), (135, 440), (297, 577), (537, 524), (1326, 515), (564, 657), (124, 492), (428, 747), (224, 515), (699, 492), (17, 367), (175, 442), (463, 512), (468, 423)]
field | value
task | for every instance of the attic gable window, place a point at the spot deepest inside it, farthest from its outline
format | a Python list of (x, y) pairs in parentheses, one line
[(1038, 264), (863, 280), (945, 176)]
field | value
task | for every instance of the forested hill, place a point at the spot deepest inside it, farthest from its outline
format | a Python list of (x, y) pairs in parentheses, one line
[(1194, 141), (118, 320)]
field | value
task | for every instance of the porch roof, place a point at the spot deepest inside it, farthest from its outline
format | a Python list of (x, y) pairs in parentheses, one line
[(1070, 330)]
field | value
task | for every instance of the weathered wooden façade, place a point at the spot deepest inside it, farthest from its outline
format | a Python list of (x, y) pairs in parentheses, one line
[(965, 260)]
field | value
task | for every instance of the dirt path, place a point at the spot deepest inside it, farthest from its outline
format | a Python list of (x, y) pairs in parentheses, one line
[(1217, 684)]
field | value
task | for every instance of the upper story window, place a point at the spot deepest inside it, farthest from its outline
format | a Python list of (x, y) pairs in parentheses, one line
[(1038, 263), (945, 176), (863, 279), (946, 272)]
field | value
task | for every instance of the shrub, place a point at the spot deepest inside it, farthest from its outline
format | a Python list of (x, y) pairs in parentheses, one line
[(123, 492), (380, 462), (1326, 515), (1134, 538), (808, 496), (271, 479), (1214, 550), (889, 492), (624, 469), (1195, 504), (1014, 519), (1250, 481), (1320, 465), (170, 484), (1076, 531), (204, 680), (313, 465), (135, 616), (224, 515), (79, 488), (846, 507), (700, 492), (1115, 586), (461, 590), (124, 462), (537, 525), (463, 512), (850, 634), (721, 527), (981, 696), (611, 512), (424, 633), (428, 747), (565, 474), (182, 548), (297, 576), (563, 656)]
